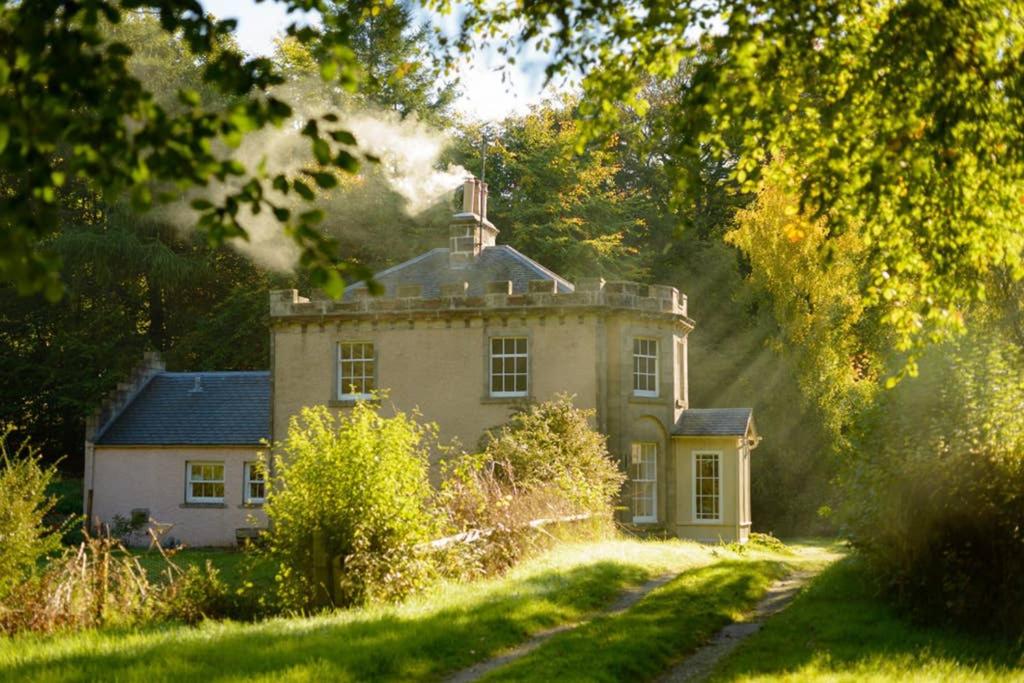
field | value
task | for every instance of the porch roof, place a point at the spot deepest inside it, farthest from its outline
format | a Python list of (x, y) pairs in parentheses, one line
[(714, 422)]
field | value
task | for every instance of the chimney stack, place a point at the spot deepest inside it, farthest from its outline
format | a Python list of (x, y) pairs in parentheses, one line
[(469, 231)]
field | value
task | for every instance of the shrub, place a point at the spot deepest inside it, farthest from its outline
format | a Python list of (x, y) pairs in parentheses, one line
[(196, 594), (552, 446), (356, 485), (546, 462), (935, 492), (24, 537)]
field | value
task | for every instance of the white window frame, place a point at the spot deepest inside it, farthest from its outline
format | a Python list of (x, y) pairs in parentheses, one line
[(504, 355), (344, 392), (697, 455), (636, 459), (189, 481), (647, 393), (247, 478)]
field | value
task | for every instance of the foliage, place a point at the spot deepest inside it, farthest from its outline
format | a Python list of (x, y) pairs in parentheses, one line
[(360, 482), (840, 629), (75, 114), (767, 542), (451, 626), (197, 593), (935, 487), (393, 58), (916, 150), (553, 444), (823, 323), (25, 541), (99, 583), (569, 211)]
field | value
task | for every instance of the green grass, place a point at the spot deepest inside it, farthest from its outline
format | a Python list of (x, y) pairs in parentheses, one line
[(443, 630), (665, 626), (234, 567), (839, 630)]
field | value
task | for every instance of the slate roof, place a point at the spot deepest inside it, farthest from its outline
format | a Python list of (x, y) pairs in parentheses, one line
[(713, 422), (433, 269), (233, 408)]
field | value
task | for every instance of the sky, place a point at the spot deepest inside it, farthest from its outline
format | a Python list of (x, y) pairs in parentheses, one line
[(484, 96)]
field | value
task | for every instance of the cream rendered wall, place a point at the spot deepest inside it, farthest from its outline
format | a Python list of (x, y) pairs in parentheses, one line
[(629, 418), (153, 477), (437, 365), (728, 529)]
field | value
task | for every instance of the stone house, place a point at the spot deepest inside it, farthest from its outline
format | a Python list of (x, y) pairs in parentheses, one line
[(464, 333)]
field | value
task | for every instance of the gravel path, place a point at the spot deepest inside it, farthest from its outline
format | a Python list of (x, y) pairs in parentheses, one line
[(697, 666)]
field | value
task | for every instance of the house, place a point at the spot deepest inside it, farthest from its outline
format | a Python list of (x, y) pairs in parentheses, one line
[(465, 333), (181, 448)]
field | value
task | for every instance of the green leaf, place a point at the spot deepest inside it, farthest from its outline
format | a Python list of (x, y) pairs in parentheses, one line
[(5, 135), (346, 162), (344, 137), (325, 180), (322, 151), (201, 204), (303, 190)]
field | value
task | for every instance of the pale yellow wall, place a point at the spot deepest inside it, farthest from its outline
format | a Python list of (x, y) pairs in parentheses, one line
[(728, 529), (154, 478), (628, 418), (438, 366)]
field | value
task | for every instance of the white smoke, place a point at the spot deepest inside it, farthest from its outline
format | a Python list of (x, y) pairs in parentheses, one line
[(409, 152)]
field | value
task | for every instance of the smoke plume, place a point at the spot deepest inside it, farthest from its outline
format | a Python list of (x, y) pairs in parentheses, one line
[(409, 152)]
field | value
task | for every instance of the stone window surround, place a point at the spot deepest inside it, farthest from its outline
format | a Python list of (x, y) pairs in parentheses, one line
[(666, 382), (507, 330), (336, 400)]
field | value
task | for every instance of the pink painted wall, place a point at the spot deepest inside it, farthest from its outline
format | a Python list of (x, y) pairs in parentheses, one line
[(153, 477)]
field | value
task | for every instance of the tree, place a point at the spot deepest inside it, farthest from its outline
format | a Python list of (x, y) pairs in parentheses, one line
[(566, 210), (71, 111), (902, 118)]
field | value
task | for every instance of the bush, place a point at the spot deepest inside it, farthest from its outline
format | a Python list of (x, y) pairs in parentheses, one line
[(935, 493), (546, 462), (99, 583), (25, 540), (357, 486), (551, 446), (196, 594)]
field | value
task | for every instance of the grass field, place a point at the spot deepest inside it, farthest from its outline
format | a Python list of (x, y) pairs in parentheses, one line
[(666, 625), (446, 629), (839, 630)]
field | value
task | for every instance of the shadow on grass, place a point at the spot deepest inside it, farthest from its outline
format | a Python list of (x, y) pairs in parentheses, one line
[(661, 629), (382, 645), (838, 626)]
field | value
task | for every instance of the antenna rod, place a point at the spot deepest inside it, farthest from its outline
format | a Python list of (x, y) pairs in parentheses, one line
[(483, 156)]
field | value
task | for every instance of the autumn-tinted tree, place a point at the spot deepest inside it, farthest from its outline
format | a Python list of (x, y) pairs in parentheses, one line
[(903, 119)]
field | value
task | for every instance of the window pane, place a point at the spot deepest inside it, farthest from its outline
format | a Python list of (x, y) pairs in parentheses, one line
[(356, 370)]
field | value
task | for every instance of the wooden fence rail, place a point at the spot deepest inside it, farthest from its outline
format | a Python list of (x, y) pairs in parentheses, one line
[(327, 570)]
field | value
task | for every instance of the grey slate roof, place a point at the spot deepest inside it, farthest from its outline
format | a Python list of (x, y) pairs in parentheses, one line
[(713, 422), (233, 408), (432, 269)]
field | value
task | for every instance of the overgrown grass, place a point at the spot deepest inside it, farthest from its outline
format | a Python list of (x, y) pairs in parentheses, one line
[(839, 630), (447, 628), (666, 625), (235, 567)]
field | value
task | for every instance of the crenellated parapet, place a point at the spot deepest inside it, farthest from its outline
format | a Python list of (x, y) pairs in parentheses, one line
[(498, 298)]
